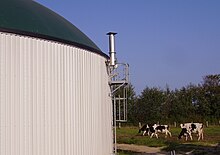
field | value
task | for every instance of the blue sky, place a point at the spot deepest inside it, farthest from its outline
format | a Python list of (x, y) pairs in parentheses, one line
[(165, 42)]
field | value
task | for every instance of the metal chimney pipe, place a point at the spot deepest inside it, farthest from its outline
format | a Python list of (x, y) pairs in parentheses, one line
[(112, 52)]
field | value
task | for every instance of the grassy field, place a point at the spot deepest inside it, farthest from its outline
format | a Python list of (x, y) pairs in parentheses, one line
[(210, 144)]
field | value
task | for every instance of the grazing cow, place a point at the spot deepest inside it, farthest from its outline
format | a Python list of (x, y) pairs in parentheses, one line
[(146, 129), (184, 132), (189, 128), (155, 129), (143, 128)]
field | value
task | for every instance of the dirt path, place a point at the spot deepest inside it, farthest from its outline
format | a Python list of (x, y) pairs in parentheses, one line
[(141, 149), (145, 150)]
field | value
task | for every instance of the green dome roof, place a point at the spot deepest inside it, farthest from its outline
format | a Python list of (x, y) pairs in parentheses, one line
[(26, 17)]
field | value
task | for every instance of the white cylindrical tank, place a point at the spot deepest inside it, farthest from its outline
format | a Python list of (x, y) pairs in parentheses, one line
[(54, 92)]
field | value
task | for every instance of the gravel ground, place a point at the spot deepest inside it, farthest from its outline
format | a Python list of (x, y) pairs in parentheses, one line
[(141, 149)]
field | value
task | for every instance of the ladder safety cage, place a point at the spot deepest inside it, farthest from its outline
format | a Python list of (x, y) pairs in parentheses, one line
[(118, 80), (119, 76), (121, 105)]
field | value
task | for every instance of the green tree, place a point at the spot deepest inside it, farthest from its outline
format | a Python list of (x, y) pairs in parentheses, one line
[(131, 112), (211, 88), (191, 103), (150, 105)]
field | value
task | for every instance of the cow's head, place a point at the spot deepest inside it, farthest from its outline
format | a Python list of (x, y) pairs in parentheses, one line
[(143, 128)]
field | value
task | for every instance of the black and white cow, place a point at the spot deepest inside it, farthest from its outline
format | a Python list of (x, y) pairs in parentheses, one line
[(189, 128), (155, 129), (184, 132), (145, 129), (152, 130)]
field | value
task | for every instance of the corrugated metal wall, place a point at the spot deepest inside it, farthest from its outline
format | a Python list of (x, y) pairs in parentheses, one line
[(54, 99)]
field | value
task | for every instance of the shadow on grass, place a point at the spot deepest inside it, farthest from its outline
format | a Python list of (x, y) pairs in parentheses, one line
[(195, 149), (190, 149), (123, 152)]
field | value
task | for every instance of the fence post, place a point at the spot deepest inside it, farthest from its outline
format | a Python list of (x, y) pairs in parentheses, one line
[(175, 124), (207, 123), (172, 152), (139, 125), (119, 125)]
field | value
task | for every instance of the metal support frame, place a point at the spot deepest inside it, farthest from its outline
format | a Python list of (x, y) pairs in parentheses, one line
[(118, 80), (121, 106)]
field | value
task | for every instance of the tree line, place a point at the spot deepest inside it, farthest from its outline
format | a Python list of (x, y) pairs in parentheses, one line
[(191, 103)]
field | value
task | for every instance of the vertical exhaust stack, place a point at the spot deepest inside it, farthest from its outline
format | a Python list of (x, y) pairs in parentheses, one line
[(112, 52)]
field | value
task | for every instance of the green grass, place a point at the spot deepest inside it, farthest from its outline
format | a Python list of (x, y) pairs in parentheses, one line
[(211, 142)]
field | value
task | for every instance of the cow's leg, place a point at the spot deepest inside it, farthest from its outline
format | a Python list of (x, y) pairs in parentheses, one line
[(170, 133), (202, 134), (190, 135), (156, 135), (165, 133), (152, 134), (144, 132), (199, 136)]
